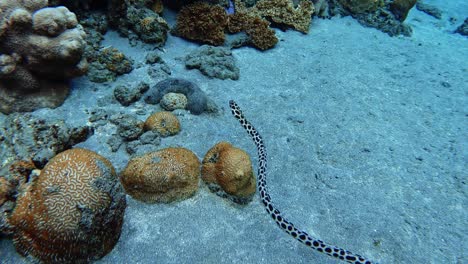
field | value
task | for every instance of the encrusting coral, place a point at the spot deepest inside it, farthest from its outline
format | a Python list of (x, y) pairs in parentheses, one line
[(231, 169), (72, 212), (164, 123), (41, 50), (165, 176)]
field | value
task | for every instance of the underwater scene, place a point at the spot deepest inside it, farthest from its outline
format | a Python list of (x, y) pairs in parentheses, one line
[(233, 131)]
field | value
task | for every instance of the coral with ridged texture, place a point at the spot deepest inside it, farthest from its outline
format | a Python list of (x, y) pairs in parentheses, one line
[(72, 212), (167, 175), (231, 169), (202, 22), (164, 123), (41, 50), (283, 12)]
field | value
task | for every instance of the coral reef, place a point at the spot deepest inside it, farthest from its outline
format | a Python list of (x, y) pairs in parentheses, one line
[(202, 22), (126, 95), (105, 64), (361, 6), (148, 25), (164, 123), (216, 62), (72, 212), (256, 28), (429, 9), (230, 168), (463, 28), (197, 100), (173, 101), (23, 137), (372, 13), (165, 176), (128, 127), (400, 8), (283, 12), (41, 50), (147, 142)]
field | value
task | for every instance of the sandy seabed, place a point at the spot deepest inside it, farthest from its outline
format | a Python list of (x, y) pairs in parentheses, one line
[(366, 136)]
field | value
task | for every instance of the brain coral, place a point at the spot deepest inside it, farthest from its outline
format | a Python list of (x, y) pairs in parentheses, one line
[(166, 175), (41, 48), (72, 212), (164, 123), (231, 169)]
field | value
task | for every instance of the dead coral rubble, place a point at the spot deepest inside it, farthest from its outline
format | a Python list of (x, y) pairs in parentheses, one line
[(41, 50)]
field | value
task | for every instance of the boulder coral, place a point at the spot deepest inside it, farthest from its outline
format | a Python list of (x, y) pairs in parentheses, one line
[(230, 168), (41, 49), (164, 123), (72, 212), (163, 176)]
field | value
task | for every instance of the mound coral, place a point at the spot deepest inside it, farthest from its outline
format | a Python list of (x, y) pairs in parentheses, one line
[(197, 102), (165, 176), (202, 22), (164, 123), (72, 212), (41, 48), (231, 169)]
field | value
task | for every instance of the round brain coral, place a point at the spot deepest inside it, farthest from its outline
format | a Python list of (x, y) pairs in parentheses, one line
[(72, 212), (164, 123), (166, 175), (231, 169)]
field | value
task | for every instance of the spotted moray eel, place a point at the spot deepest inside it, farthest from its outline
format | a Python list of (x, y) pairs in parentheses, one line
[(282, 222)]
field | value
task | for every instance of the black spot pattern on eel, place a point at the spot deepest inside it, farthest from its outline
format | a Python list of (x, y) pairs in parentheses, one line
[(284, 224)]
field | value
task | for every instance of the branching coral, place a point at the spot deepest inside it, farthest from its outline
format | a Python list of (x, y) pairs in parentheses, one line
[(41, 48)]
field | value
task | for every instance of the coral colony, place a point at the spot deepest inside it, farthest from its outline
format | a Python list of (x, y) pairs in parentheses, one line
[(63, 203)]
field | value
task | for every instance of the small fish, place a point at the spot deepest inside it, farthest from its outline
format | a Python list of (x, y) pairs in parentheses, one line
[(282, 222)]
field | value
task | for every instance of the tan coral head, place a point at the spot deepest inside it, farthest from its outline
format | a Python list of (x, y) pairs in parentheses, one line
[(231, 169), (164, 123), (166, 175)]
